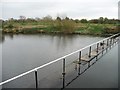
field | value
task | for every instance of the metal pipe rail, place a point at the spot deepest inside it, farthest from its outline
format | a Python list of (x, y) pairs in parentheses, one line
[(56, 60)]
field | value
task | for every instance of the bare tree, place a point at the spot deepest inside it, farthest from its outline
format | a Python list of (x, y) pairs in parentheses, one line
[(22, 17)]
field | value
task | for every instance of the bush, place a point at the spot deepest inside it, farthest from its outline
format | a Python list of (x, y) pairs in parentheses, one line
[(10, 26), (65, 26)]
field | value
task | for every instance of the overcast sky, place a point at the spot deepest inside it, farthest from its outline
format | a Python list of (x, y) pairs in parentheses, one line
[(72, 8)]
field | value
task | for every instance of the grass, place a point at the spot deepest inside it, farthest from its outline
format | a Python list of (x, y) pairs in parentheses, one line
[(59, 26)]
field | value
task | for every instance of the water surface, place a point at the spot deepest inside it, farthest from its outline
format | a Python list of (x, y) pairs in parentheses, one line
[(25, 52)]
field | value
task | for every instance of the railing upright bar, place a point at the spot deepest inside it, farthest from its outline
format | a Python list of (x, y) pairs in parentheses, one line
[(97, 51), (107, 42), (110, 42), (107, 45), (90, 51), (79, 56), (79, 62), (97, 47), (36, 79), (63, 73), (103, 45)]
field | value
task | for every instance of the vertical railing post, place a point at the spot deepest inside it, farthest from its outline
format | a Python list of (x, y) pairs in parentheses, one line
[(107, 44), (63, 73), (110, 42), (36, 79), (97, 51), (90, 51), (102, 47), (79, 56), (79, 62), (97, 47)]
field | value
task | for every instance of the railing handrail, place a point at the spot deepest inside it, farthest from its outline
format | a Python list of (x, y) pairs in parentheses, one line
[(56, 60)]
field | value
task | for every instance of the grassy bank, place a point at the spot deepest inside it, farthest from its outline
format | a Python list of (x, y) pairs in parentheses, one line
[(66, 26)]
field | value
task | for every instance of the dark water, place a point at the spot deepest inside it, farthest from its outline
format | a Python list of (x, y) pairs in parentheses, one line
[(25, 52)]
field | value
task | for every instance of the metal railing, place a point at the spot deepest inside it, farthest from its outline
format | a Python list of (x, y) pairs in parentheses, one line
[(35, 70)]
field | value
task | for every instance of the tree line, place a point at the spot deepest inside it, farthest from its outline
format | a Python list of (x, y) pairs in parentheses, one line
[(100, 20)]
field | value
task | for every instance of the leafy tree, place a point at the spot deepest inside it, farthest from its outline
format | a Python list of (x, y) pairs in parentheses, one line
[(101, 20), (106, 20), (83, 21), (9, 26), (47, 18), (77, 20), (58, 18), (94, 21), (67, 18)]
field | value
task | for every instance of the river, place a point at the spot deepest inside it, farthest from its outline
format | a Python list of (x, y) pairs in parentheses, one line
[(21, 53)]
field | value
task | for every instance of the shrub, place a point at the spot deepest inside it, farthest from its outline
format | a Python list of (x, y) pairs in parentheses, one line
[(65, 26)]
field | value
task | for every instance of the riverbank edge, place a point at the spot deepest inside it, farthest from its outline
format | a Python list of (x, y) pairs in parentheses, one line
[(60, 33)]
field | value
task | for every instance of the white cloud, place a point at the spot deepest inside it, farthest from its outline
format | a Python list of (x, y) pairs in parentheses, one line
[(72, 8)]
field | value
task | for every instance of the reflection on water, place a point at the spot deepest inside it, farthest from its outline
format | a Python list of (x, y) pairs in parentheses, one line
[(11, 36), (25, 52), (2, 38)]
